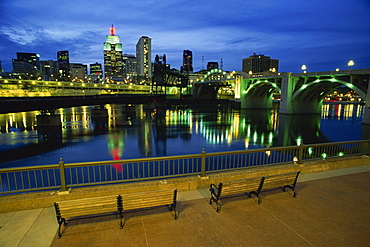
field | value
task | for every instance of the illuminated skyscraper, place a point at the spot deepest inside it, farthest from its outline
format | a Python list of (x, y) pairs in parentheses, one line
[(113, 57), (63, 61), (96, 69), (144, 58), (187, 62)]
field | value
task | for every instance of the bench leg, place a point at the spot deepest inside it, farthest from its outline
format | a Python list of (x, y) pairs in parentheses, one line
[(213, 199), (292, 187), (218, 207), (121, 219), (173, 207), (257, 193), (60, 222)]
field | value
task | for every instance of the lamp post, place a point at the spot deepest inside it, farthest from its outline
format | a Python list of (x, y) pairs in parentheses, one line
[(303, 68), (350, 64)]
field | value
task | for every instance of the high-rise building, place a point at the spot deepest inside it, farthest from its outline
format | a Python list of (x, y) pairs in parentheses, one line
[(212, 65), (28, 63), (259, 64), (63, 61), (78, 71), (23, 67), (32, 58), (49, 70), (143, 57), (129, 67), (187, 62), (113, 57), (96, 69)]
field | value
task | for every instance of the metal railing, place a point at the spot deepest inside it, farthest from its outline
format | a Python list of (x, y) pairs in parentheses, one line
[(63, 176)]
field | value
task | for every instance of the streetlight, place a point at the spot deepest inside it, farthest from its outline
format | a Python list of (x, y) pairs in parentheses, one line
[(303, 68), (350, 64)]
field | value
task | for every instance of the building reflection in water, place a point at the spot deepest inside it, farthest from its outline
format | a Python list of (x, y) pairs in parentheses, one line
[(161, 131)]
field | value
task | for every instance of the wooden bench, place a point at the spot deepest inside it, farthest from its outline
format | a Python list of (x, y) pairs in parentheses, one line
[(149, 199), (83, 207), (253, 186), (285, 180), (110, 204), (249, 186)]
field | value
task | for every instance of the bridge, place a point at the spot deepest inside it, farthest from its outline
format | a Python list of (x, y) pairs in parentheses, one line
[(300, 93)]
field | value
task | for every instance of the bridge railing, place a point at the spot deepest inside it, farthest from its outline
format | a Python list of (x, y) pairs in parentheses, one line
[(63, 176)]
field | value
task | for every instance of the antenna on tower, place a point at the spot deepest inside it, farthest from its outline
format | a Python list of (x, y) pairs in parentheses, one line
[(202, 62), (222, 65), (112, 31)]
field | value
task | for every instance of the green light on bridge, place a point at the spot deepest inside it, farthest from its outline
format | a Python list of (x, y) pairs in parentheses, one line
[(310, 150), (340, 154), (299, 140), (304, 86), (324, 155), (350, 85)]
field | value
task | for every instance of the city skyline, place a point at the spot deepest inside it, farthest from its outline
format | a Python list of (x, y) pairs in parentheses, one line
[(323, 35)]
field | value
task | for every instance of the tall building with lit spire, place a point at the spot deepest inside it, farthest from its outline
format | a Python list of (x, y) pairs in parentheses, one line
[(113, 57)]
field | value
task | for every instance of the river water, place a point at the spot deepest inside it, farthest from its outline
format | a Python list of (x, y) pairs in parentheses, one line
[(137, 131)]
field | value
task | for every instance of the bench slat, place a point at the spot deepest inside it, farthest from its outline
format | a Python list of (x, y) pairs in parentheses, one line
[(240, 186), (279, 180), (87, 206), (147, 199)]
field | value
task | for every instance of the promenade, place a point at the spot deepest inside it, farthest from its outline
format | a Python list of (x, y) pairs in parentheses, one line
[(332, 208)]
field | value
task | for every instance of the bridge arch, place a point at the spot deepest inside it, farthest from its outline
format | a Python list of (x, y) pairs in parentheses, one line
[(258, 93), (321, 87), (210, 75), (208, 86)]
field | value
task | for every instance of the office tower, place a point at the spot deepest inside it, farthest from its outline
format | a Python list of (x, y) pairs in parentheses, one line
[(187, 62), (143, 57), (260, 63), (28, 63), (63, 61), (113, 57), (49, 70), (32, 58), (23, 67), (212, 65), (96, 73), (78, 71), (129, 67), (96, 69)]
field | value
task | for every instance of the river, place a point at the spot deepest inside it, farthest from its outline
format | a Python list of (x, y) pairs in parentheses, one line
[(137, 131)]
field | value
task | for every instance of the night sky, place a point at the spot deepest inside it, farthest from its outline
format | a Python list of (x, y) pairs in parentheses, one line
[(322, 34)]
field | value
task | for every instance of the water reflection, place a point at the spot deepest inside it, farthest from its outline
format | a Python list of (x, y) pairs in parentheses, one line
[(134, 131)]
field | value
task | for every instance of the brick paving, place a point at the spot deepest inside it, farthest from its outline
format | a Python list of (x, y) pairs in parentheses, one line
[(327, 212)]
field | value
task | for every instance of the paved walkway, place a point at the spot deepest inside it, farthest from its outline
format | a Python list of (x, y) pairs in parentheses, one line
[(332, 208)]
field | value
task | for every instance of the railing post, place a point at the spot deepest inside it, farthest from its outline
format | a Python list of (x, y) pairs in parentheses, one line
[(62, 175), (300, 153), (203, 168), (368, 147)]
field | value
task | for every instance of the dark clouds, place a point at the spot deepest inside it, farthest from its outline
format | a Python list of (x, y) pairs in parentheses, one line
[(324, 35)]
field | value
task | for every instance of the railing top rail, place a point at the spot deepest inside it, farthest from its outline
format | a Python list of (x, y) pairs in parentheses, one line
[(28, 168), (252, 150), (336, 143), (151, 159)]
